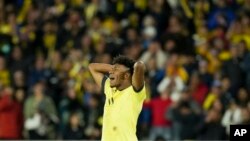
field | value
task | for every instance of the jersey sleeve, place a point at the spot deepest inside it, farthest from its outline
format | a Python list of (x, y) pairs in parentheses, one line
[(139, 91), (141, 94)]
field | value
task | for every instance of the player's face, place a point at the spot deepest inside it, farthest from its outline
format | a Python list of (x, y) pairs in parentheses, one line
[(117, 75)]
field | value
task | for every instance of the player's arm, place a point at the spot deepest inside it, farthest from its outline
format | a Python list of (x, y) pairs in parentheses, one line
[(98, 70), (138, 76)]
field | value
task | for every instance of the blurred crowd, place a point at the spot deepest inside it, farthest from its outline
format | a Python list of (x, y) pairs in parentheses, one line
[(196, 53)]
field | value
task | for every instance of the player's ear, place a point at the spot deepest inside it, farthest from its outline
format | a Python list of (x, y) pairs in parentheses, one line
[(126, 75)]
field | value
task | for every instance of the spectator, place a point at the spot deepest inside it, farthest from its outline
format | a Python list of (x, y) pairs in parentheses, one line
[(155, 76), (93, 115), (70, 104), (214, 94), (233, 71), (11, 118), (206, 76), (231, 116), (39, 72), (198, 88), (246, 69), (220, 15), (17, 60), (74, 130), (19, 80), (154, 50), (189, 63), (242, 97), (133, 50), (20, 96), (184, 114), (158, 106), (159, 138), (40, 115), (225, 90), (211, 128), (4, 73), (177, 32), (175, 78), (245, 115), (131, 35), (174, 83)]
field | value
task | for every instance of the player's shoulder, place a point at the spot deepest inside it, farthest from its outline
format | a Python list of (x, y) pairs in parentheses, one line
[(140, 90), (139, 93), (105, 83)]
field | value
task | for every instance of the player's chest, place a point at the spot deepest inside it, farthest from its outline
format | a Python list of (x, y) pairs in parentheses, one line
[(119, 102)]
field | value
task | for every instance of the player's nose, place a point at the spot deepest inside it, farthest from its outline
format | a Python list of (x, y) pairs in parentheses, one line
[(111, 71)]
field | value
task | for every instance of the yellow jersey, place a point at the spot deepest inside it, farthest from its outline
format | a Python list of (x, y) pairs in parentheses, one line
[(121, 111)]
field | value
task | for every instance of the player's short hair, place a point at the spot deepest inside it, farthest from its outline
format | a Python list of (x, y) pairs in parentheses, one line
[(127, 62)]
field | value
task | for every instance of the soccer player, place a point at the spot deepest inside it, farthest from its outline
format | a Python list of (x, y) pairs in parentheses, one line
[(125, 92)]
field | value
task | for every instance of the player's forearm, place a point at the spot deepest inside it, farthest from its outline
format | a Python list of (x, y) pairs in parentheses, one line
[(139, 67), (100, 67), (138, 75)]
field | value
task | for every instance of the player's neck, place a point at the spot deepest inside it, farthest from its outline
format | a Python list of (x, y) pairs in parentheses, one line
[(124, 86)]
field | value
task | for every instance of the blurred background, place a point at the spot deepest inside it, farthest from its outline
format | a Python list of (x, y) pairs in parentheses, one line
[(196, 53)]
